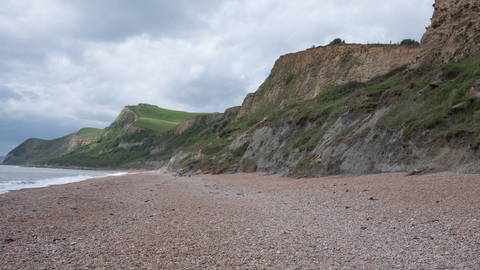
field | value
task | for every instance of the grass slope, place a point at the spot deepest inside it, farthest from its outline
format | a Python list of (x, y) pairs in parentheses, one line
[(88, 132), (118, 148), (158, 120)]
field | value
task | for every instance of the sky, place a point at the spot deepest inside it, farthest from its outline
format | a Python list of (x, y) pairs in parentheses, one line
[(68, 64)]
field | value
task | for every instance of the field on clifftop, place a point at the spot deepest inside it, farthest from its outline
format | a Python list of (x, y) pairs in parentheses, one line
[(158, 120)]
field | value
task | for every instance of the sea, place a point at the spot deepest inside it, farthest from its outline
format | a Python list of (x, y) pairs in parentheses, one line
[(17, 177)]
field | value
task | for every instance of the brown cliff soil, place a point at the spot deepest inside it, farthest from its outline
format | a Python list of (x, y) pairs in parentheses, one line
[(453, 36), (126, 113), (303, 75)]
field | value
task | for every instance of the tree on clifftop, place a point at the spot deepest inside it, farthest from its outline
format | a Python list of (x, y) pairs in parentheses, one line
[(409, 42), (336, 41)]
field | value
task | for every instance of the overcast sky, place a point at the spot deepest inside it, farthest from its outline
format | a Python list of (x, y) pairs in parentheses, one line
[(68, 64)]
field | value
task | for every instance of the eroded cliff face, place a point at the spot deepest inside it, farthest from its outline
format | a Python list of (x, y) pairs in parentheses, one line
[(297, 123), (303, 75), (351, 146), (454, 34), (205, 119), (201, 119), (124, 122)]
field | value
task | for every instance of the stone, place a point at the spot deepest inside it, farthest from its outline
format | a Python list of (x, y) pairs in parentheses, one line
[(473, 93), (438, 81), (459, 106)]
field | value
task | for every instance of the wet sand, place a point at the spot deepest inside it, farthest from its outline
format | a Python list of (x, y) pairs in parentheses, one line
[(245, 221)]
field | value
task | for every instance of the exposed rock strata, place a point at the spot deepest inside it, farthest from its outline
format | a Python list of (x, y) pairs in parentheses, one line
[(354, 144), (303, 75), (205, 119), (381, 150), (454, 34)]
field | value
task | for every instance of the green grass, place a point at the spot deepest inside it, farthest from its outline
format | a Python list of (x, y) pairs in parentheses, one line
[(426, 108), (155, 126), (88, 132), (158, 120)]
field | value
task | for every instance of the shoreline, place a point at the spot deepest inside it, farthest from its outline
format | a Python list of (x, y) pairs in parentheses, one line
[(79, 168), (23, 177), (151, 220)]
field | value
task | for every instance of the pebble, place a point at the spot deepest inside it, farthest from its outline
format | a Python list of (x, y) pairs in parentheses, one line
[(290, 225)]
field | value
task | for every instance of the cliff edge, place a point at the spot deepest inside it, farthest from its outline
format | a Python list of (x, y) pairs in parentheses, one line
[(303, 75)]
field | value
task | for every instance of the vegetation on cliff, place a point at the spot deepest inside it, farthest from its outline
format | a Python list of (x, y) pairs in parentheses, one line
[(441, 106), (158, 120), (129, 138)]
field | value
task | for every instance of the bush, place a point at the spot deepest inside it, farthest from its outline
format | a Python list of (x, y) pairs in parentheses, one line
[(228, 131), (213, 149), (252, 122), (409, 42), (347, 86), (336, 41)]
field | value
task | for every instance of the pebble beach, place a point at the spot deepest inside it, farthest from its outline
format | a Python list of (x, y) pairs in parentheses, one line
[(151, 220)]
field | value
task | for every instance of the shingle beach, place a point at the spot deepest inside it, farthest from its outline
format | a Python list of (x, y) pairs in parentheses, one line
[(245, 221)]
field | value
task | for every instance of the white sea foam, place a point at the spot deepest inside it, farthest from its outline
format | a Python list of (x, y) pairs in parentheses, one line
[(15, 178)]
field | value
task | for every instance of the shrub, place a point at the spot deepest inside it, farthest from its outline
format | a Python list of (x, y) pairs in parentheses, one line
[(350, 85), (336, 41), (409, 42), (252, 122)]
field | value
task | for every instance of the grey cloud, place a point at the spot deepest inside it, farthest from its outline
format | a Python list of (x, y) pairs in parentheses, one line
[(8, 93), (114, 20), (213, 93)]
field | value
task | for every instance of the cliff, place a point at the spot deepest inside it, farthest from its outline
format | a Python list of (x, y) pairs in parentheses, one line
[(356, 109), (453, 35), (37, 151), (205, 120), (303, 75), (129, 138)]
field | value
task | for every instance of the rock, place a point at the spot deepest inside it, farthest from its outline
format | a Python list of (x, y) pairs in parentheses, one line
[(8, 240), (459, 106), (474, 93), (438, 81), (452, 35)]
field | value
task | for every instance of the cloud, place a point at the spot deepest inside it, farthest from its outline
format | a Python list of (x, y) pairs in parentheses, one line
[(70, 64), (7, 93)]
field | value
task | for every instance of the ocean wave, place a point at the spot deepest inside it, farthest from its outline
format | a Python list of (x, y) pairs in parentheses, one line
[(24, 183)]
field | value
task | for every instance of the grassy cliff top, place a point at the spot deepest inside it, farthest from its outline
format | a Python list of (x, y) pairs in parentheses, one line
[(158, 120), (88, 132)]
